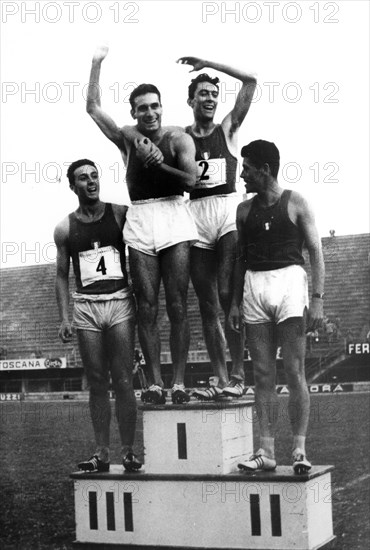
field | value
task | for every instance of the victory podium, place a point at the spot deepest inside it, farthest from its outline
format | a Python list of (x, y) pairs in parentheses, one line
[(190, 494)]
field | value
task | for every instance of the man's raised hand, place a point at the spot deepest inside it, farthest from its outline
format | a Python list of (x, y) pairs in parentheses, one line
[(197, 62), (101, 52)]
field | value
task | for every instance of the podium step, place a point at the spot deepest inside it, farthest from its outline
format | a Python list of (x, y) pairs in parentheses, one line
[(197, 438), (263, 510)]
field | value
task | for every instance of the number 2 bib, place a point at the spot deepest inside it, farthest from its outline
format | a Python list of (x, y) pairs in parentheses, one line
[(100, 264), (211, 173)]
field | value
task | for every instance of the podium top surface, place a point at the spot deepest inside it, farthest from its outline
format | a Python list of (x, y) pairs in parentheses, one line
[(281, 474), (196, 405)]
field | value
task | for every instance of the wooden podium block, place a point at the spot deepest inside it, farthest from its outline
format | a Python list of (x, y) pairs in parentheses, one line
[(197, 438), (264, 511)]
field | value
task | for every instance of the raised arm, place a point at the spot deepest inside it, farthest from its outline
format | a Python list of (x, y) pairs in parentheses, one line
[(234, 119), (62, 280), (93, 103), (306, 221)]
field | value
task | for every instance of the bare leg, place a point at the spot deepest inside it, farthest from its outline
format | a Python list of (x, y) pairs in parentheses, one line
[(97, 372), (175, 265), (204, 277), (293, 342), (120, 346), (226, 253), (146, 278), (261, 340)]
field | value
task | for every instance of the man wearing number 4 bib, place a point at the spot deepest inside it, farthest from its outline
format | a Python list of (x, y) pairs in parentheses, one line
[(104, 312), (213, 203)]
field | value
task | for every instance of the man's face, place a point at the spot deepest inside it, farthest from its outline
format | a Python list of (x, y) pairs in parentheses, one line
[(253, 177), (148, 113), (87, 185), (205, 101)]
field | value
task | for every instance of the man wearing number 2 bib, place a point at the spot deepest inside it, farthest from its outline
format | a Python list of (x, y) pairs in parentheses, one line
[(104, 312), (213, 203)]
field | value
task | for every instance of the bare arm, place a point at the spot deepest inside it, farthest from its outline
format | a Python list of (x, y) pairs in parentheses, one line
[(239, 270), (93, 103), (186, 174), (184, 150), (306, 221), (234, 119), (62, 280)]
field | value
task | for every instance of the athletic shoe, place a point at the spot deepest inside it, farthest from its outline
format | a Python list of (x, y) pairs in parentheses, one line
[(131, 463), (211, 393), (154, 395), (179, 395), (300, 464), (94, 464), (235, 388), (258, 461)]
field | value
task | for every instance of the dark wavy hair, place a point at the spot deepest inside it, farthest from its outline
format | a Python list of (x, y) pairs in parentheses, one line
[(260, 152), (204, 77), (141, 90), (76, 164)]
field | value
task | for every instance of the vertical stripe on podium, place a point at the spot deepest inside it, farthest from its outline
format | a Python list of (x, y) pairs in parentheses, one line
[(127, 508), (111, 521), (93, 510), (255, 515), (275, 515), (181, 441)]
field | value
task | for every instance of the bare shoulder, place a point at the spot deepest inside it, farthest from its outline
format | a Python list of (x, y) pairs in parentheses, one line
[(174, 129), (120, 212), (182, 141), (243, 209), (297, 198), (61, 232)]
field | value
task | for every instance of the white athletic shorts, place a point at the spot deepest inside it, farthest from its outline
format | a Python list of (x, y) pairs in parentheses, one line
[(215, 216), (274, 296), (98, 312), (155, 224)]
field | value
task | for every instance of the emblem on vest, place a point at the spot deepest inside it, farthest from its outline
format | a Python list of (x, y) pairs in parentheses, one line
[(95, 245)]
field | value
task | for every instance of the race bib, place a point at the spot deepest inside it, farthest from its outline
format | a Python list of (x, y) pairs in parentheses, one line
[(100, 264), (211, 173)]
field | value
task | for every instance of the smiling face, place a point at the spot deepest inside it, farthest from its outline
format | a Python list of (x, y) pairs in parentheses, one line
[(147, 112), (204, 102), (86, 183)]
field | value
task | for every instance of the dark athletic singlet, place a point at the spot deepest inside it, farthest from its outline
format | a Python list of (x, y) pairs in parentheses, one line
[(98, 254), (151, 183), (273, 240), (216, 165)]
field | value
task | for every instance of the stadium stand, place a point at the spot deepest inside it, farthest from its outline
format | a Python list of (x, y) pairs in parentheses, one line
[(29, 321)]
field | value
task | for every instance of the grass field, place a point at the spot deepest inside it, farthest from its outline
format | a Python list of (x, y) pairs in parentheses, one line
[(41, 442)]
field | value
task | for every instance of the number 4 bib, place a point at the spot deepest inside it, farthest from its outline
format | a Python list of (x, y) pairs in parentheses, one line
[(100, 264)]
